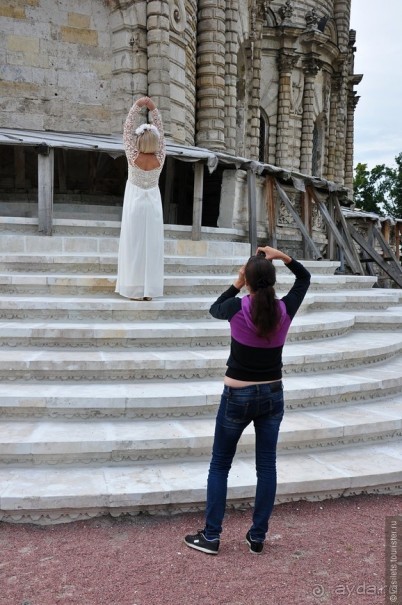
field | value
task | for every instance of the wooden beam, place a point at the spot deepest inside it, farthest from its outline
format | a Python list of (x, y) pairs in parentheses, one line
[(197, 200), (345, 228), (307, 220), (252, 210), (395, 274), (331, 255), (298, 221), (340, 240), (386, 248), (398, 228), (45, 190), (270, 203)]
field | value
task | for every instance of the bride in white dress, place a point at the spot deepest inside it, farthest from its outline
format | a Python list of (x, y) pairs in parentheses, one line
[(141, 247)]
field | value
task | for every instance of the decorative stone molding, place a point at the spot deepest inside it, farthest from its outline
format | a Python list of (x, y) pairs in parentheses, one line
[(178, 19)]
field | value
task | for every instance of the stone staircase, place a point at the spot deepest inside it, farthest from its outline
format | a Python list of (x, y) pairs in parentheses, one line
[(108, 405)]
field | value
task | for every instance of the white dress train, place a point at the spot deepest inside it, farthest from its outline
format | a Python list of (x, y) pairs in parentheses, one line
[(141, 247)]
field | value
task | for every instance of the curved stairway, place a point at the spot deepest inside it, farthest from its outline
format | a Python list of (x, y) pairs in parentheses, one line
[(108, 405)]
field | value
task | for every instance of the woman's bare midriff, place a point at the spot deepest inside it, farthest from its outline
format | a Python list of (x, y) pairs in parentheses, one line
[(232, 382)]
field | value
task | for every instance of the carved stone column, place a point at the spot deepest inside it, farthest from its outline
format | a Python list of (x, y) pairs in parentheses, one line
[(352, 102), (210, 124), (333, 119), (341, 116), (231, 51), (130, 61), (257, 15), (311, 66), (287, 59), (158, 28)]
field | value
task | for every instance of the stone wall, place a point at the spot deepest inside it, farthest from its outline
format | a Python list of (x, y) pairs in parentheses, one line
[(56, 65)]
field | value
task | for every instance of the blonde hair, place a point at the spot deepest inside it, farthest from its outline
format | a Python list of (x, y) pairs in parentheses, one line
[(148, 142)]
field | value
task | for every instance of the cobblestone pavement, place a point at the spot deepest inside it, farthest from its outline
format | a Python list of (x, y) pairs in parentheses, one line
[(318, 553)]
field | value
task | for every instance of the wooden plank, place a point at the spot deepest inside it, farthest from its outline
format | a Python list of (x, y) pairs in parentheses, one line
[(386, 248), (252, 210), (340, 240), (45, 191), (298, 221), (388, 269), (197, 200), (331, 239), (398, 228), (345, 228), (271, 211)]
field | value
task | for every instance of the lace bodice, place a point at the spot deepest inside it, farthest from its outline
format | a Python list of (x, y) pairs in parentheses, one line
[(145, 179)]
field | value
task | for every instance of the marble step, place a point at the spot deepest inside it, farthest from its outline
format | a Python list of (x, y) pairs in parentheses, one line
[(58, 494), (116, 441), (115, 308), (350, 350), (179, 285), (110, 226), (164, 335), (11, 243), (107, 263)]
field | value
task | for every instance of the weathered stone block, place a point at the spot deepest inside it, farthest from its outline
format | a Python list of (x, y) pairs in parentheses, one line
[(26, 44), (79, 36), (79, 20)]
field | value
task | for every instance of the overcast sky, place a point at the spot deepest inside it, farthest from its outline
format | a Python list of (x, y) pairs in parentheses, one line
[(378, 115)]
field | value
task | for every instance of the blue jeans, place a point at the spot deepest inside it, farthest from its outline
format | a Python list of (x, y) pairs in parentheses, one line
[(263, 404)]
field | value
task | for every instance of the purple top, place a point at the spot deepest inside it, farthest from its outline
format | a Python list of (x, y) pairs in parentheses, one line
[(252, 357)]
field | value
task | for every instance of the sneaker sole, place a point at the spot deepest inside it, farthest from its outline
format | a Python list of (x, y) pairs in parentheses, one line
[(206, 551)]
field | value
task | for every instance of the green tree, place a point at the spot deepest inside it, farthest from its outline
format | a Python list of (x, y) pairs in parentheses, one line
[(380, 189)]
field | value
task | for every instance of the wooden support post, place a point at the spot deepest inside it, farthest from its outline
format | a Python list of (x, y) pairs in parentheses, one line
[(307, 220), (45, 189), (19, 167), (331, 250), (386, 248), (271, 211), (252, 210), (197, 200), (309, 241), (348, 237), (398, 228), (394, 271), (386, 228), (167, 198)]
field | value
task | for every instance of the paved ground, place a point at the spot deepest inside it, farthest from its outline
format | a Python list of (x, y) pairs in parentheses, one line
[(320, 553)]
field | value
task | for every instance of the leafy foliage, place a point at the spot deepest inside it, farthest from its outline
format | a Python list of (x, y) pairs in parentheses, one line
[(380, 189)]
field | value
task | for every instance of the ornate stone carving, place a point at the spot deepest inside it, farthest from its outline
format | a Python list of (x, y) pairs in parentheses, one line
[(286, 11), (178, 16), (312, 19), (287, 61), (311, 65)]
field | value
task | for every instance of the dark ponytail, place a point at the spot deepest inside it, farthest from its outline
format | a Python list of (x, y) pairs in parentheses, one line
[(261, 276)]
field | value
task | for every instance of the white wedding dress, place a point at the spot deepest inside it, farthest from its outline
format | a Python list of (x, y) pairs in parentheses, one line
[(141, 246)]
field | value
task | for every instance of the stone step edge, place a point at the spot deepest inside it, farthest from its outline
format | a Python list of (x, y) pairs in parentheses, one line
[(188, 437), (59, 495)]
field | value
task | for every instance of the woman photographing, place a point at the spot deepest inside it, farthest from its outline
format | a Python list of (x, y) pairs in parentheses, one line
[(253, 391)]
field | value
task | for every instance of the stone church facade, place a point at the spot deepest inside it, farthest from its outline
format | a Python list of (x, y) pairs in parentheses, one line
[(267, 80)]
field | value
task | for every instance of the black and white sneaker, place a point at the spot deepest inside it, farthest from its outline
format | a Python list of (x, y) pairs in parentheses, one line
[(199, 542), (255, 547)]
